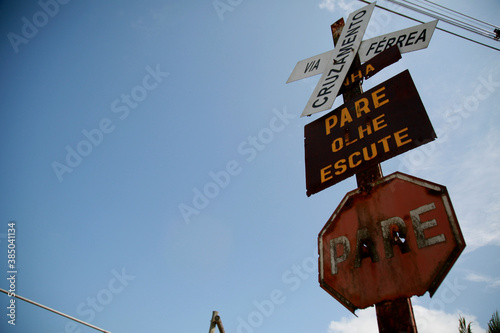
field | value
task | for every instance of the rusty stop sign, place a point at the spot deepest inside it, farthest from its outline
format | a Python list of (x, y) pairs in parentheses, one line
[(399, 239)]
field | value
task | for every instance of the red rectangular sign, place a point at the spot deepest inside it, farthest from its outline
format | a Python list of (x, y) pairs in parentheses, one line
[(381, 123)]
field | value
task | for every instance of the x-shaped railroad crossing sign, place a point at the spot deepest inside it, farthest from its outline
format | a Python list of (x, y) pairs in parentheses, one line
[(336, 63)]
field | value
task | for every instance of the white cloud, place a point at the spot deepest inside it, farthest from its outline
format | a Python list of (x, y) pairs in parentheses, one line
[(366, 322), (476, 277), (439, 321), (330, 5), (478, 203), (490, 282), (428, 321)]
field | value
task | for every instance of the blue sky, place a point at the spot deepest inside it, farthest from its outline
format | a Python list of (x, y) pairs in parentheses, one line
[(115, 116)]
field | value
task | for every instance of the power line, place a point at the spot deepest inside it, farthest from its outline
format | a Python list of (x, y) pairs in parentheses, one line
[(444, 18), (472, 18), (55, 311), (438, 28), (456, 21)]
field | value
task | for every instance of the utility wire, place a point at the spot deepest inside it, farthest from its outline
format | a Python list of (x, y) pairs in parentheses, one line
[(55, 311), (438, 28), (460, 25), (467, 22), (457, 22), (451, 10), (459, 16)]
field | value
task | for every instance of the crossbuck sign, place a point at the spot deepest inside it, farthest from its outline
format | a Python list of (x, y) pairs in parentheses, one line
[(340, 61), (334, 65)]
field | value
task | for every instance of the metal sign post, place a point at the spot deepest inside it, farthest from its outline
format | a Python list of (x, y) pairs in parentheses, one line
[(393, 237), (392, 316)]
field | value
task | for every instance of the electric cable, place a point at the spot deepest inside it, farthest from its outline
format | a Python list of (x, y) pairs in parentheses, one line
[(52, 310), (438, 17), (458, 22), (472, 18), (438, 28)]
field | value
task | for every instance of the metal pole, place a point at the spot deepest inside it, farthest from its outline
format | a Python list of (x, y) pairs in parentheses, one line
[(55, 311), (215, 321), (212, 322), (219, 325), (394, 316)]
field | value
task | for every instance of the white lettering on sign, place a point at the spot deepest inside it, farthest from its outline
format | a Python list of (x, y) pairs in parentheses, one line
[(346, 249), (389, 227), (394, 232), (419, 226), (333, 76), (410, 39)]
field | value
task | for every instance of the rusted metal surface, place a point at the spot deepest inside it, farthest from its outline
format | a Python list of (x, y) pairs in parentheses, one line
[(381, 123), (336, 29), (352, 91), (359, 72), (396, 316), (397, 240)]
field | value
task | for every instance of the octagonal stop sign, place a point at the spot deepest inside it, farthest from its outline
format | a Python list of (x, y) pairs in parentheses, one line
[(397, 239)]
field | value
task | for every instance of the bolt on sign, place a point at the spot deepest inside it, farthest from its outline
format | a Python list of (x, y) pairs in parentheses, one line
[(379, 124), (398, 240)]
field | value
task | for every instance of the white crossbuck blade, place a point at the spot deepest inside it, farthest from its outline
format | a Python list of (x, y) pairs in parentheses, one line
[(340, 61), (410, 39)]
